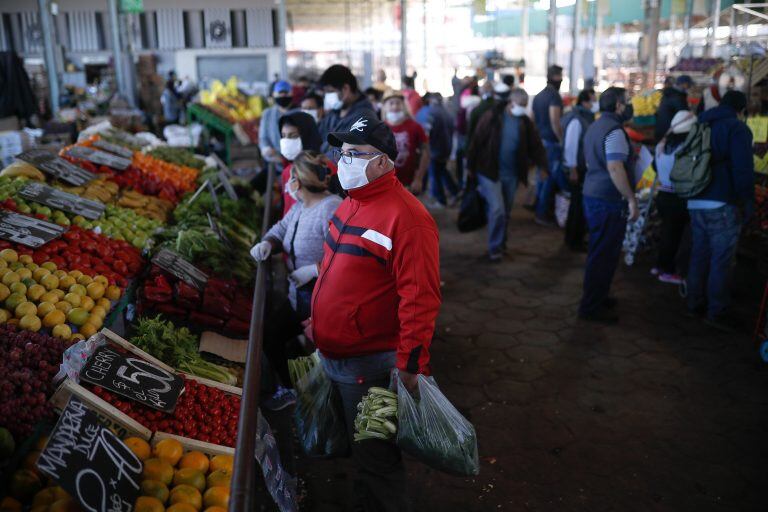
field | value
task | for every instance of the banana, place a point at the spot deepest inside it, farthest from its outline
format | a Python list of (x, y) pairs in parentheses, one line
[(22, 169)]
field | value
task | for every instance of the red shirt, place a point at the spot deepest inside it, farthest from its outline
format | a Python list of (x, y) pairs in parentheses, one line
[(409, 137), (413, 100), (379, 283)]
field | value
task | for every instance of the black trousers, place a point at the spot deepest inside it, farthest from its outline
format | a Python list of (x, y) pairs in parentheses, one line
[(576, 225), (673, 211)]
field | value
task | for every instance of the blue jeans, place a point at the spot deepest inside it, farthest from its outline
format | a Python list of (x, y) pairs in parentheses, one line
[(499, 197), (459, 156), (607, 223), (438, 174), (557, 179), (715, 235)]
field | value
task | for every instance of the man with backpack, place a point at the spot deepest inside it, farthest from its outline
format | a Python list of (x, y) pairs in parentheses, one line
[(720, 200)]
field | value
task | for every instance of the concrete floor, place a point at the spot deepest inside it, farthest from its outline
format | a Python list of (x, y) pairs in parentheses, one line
[(657, 413)]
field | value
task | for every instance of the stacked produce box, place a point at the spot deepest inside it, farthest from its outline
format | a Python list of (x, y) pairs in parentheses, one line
[(60, 291)]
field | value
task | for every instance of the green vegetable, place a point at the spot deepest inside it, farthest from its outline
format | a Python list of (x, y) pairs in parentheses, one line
[(178, 156), (177, 347), (298, 368), (377, 415)]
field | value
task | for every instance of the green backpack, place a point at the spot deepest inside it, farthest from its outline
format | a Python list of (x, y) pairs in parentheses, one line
[(691, 172)]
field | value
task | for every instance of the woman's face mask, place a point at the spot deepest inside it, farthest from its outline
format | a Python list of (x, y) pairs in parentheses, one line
[(395, 117), (595, 108), (294, 193), (312, 112), (290, 148)]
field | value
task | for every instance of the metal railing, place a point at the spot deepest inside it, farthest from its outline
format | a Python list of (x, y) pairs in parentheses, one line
[(244, 473)]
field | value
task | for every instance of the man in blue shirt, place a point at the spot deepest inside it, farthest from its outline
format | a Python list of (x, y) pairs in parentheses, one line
[(269, 126), (438, 125), (607, 192), (547, 111), (719, 211)]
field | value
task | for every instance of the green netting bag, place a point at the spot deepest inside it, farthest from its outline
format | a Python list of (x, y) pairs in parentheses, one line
[(433, 431), (319, 416)]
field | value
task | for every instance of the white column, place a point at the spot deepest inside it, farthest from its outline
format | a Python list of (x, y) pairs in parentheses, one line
[(282, 21), (50, 60), (573, 73), (403, 37)]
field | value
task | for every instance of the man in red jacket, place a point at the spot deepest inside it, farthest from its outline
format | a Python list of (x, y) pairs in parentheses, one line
[(377, 295)]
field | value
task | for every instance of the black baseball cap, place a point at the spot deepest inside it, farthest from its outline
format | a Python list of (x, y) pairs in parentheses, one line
[(368, 129)]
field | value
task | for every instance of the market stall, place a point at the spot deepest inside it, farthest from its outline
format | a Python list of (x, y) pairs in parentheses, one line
[(124, 287)]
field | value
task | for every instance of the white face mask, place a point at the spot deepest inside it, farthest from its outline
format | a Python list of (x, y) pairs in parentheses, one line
[(352, 175), (331, 101), (312, 112), (518, 110), (290, 148), (595, 107), (395, 117), (293, 193)]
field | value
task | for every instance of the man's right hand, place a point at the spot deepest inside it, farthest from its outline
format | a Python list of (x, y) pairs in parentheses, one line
[(573, 176), (634, 210)]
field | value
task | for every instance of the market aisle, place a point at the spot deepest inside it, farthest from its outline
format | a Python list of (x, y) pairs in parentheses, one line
[(656, 413)]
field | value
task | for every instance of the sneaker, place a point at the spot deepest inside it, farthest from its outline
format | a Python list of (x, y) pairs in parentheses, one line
[(655, 271), (496, 257), (541, 221), (724, 324), (670, 278), (601, 316), (282, 398)]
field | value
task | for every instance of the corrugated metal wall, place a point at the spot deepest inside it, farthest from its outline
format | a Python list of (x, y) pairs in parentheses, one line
[(170, 29), (3, 45), (83, 34), (258, 26), (218, 28), (32, 35)]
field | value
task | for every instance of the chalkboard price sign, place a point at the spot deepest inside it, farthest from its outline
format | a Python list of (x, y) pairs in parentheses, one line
[(90, 462), (57, 167), (113, 148), (99, 157), (55, 198), (133, 378), (173, 262), (29, 231)]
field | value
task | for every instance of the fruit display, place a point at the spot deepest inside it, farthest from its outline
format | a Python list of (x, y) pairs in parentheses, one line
[(28, 362), (176, 179), (146, 206), (20, 169), (178, 347), (69, 305), (646, 103), (228, 102), (102, 189), (222, 306), (178, 156), (90, 253), (181, 481), (202, 412)]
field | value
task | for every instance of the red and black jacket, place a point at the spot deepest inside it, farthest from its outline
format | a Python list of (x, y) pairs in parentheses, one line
[(379, 283)]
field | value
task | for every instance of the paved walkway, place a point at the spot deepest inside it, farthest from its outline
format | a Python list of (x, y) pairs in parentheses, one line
[(658, 413)]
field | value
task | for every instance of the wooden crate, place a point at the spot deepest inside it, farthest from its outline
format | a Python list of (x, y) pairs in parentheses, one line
[(189, 444), (112, 418)]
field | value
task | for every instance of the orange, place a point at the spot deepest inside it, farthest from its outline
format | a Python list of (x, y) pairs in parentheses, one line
[(169, 450), (220, 478), (188, 495), (181, 507), (189, 476), (148, 504), (156, 469), (24, 484), (216, 497), (195, 460), (40, 444), (10, 504), (139, 447), (64, 505), (155, 489), (30, 462), (215, 509), (222, 462), (45, 497)]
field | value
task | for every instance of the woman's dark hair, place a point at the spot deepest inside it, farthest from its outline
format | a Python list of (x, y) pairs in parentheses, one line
[(312, 171), (308, 131), (737, 100), (337, 76), (610, 97)]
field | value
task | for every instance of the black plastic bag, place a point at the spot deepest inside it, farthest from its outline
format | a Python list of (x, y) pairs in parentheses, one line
[(433, 431), (472, 209), (319, 416)]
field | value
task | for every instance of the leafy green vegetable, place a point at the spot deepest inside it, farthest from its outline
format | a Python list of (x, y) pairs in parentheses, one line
[(178, 156), (177, 347)]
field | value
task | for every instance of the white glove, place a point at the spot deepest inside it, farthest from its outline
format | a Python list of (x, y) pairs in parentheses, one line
[(261, 251), (303, 275)]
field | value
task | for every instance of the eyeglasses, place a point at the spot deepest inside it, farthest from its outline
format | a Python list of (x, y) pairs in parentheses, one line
[(347, 156)]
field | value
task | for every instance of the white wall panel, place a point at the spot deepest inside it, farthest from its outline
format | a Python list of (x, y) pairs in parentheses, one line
[(31, 33), (258, 26), (218, 28), (170, 29)]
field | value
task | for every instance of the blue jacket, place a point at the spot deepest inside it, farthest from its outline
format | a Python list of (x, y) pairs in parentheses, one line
[(439, 126), (733, 167)]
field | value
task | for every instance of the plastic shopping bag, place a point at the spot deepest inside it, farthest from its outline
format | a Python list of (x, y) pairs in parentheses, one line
[(433, 431), (319, 416)]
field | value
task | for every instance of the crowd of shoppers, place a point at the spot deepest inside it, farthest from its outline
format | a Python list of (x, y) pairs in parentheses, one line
[(362, 251)]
